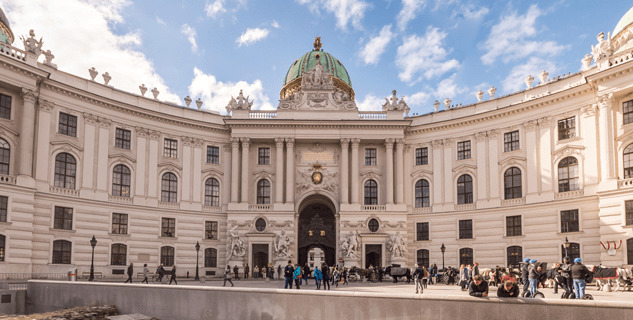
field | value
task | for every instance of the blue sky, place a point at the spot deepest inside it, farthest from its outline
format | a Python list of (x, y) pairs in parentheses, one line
[(426, 50)]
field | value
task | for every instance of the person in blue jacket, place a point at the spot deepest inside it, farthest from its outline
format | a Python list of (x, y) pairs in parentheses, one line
[(318, 276), (296, 276)]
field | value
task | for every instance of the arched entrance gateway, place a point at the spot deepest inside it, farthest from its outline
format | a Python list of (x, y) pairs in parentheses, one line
[(316, 234)]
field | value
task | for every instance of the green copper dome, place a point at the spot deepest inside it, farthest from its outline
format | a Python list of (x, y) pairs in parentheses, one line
[(626, 20), (6, 35)]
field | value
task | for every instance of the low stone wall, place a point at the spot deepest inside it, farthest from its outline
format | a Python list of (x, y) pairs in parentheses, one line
[(194, 302), (12, 301)]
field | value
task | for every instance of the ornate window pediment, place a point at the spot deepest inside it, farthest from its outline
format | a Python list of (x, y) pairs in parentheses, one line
[(169, 166), (571, 150), (422, 173), (465, 168), (370, 174), (263, 174), (122, 156), (512, 161), (214, 171), (66, 145)]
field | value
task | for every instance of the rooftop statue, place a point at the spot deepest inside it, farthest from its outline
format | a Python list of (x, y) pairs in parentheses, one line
[(240, 103), (603, 48), (31, 44), (317, 43), (396, 104)]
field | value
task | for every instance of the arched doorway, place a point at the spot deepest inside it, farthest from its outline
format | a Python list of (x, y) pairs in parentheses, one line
[(317, 229)]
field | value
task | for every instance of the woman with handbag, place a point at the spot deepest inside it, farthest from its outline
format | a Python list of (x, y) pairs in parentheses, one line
[(296, 275), (227, 276)]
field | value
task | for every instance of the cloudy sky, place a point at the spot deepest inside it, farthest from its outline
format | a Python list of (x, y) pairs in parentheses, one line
[(425, 49)]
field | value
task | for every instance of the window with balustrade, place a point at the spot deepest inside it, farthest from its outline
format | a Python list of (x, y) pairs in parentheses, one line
[(371, 193), (169, 188), (512, 183), (464, 189), (422, 194), (212, 193), (568, 175), (263, 191), (65, 171)]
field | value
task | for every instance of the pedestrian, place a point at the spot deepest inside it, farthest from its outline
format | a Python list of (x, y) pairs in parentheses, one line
[(418, 275), (335, 276), (345, 275), (255, 272), (479, 288), (306, 273), (297, 276), (493, 278), (509, 289), (173, 275), (288, 274), (279, 272), (145, 273), (463, 277), (525, 273), (476, 269), (160, 271), (552, 273), (227, 276), (247, 269), (325, 272), (236, 270), (533, 274), (130, 272), (579, 273), (317, 277), (565, 272), (264, 270)]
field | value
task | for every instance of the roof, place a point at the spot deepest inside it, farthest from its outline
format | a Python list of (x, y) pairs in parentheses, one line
[(308, 61), (624, 22)]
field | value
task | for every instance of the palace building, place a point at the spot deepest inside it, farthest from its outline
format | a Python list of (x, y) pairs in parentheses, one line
[(541, 173)]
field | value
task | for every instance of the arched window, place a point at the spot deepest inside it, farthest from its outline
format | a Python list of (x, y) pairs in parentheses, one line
[(423, 258), (627, 161), (5, 156), (212, 193), (629, 251), (2, 244), (121, 178), (210, 258), (118, 254), (167, 256), (568, 175), (65, 171), (514, 255), (169, 188), (466, 256), (573, 252), (422, 198), (263, 191), (464, 189), (512, 183), (61, 251), (371, 192)]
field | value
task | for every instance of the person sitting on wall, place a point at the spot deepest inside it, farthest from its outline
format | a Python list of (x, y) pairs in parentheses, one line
[(509, 289), (478, 288)]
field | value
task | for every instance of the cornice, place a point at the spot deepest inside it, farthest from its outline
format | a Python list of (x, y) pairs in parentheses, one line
[(23, 68)]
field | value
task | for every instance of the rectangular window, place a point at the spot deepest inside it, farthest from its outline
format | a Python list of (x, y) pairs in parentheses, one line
[(511, 141), (213, 154), (5, 106), (421, 156), (569, 221), (465, 229), (170, 148), (370, 156), (123, 138), (63, 218), (264, 156), (119, 223), (4, 208), (422, 231), (463, 150), (168, 227), (513, 226), (627, 112), (628, 207), (566, 128), (67, 124), (211, 230)]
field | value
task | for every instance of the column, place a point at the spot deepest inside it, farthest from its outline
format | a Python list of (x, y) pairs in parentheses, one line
[(279, 170), (493, 163), (152, 165), (450, 188), (531, 150), (197, 160), (482, 174), (607, 153), (399, 171), (102, 154), (545, 156), (235, 150), (245, 170), (27, 132), (355, 170), (141, 161), (290, 170), (186, 169), (389, 173), (344, 171), (90, 135), (437, 152), (408, 167), (43, 139)]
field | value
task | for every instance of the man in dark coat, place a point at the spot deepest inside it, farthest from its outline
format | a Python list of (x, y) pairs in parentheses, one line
[(236, 271), (579, 273), (173, 275), (247, 269), (288, 271), (325, 271), (509, 289), (525, 274), (565, 272), (130, 272), (478, 288)]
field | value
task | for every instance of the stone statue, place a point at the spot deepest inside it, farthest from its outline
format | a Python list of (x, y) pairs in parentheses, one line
[(397, 246), (93, 73), (240, 103), (317, 43), (236, 246), (143, 89), (106, 78), (282, 245), (48, 59), (31, 44), (603, 48), (350, 246), (318, 74), (155, 92)]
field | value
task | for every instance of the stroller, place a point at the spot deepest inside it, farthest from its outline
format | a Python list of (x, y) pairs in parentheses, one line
[(569, 292)]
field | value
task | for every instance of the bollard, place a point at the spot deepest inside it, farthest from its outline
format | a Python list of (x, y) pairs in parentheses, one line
[(607, 287), (203, 279)]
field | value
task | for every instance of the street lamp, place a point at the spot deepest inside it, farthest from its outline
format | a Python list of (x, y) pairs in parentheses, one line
[(197, 278), (566, 246), (443, 248), (93, 244)]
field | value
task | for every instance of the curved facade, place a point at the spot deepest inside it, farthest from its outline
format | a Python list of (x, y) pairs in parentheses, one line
[(494, 182)]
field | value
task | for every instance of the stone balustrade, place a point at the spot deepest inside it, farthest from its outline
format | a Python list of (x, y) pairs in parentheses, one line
[(512, 202), (64, 191), (374, 207), (117, 199), (12, 52), (6, 179), (372, 115), (260, 207), (262, 114), (625, 183), (568, 194), (163, 204), (423, 210)]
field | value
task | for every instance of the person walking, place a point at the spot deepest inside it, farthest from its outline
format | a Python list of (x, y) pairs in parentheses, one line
[(345, 275), (130, 272), (236, 270), (306, 273), (256, 273), (335, 276), (173, 275), (525, 274), (325, 272), (227, 276), (533, 275), (317, 277), (288, 274), (579, 273), (279, 272), (247, 269), (145, 273), (463, 277), (296, 276), (418, 275)]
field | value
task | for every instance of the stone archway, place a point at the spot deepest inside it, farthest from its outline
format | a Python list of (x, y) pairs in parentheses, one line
[(316, 228)]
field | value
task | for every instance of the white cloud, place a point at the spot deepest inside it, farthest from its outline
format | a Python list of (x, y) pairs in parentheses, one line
[(410, 9), (510, 38), (376, 46), (345, 11), (215, 9), (417, 99), (515, 80), (423, 57), (252, 35), (275, 24), (95, 44), (191, 36), (371, 103), (448, 88), (217, 94), (160, 21), (472, 12)]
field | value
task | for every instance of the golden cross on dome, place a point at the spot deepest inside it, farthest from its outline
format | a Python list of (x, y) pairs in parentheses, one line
[(317, 43)]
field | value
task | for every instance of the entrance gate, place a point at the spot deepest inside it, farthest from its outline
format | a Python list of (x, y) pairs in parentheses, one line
[(317, 229)]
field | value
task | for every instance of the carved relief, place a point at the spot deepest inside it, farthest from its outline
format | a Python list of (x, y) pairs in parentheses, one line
[(480, 136), (493, 133), (90, 118), (437, 143), (328, 180), (589, 111), (569, 151), (29, 95), (46, 105)]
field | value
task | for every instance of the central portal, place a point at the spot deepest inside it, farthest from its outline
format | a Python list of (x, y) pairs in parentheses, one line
[(317, 229)]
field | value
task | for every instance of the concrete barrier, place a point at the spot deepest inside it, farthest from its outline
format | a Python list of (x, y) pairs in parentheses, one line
[(194, 302), (12, 301)]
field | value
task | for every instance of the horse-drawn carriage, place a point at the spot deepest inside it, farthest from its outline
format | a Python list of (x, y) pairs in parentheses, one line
[(356, 273)]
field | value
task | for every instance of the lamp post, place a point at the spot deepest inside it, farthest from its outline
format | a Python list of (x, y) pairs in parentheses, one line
[(93, 244), (443, 248), (566, 246), (197, 278)]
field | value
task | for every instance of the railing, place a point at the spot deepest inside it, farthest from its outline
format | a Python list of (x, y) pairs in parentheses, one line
[(29, 276), (372, 115), (119, 199), (512, 202), (211, 208), (7, 179), (422, 210), (17, 286), (12, 52), (165, 204), (620, 58), (374, 207), (259, 114), (64, 191), (464, 207), (625, 183), (568, 194), (260, 207)]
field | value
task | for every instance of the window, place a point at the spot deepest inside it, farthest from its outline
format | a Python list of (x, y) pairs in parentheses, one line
[(629, 250), (464, 189), (514, 255), (422, 231), (422, 198), (566, 128), (465, 229), (573, 252), (627, 160), (211, 230), (569, 221), (118, 254), (123, 138), (512, 183), (511, 141), (167, 256), (169, 188), (421, 156), (371, 192), (212, 193), (2, 245), (210, 258), (168, 227), (627, 112), (119, 223), (61, 251), (121, 178), (67, 124), (65, 171), (5, 106), (568, 175), (628, 209), (63, 218), (263, 156), (263, 192), (213, 154), (370, 156), (423, 258), (260, 224), (463, 150), (4, 208), (373, 225), (5, 156), (513, 226), (170, 148), (466, 256)]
